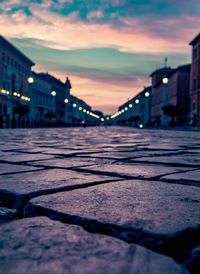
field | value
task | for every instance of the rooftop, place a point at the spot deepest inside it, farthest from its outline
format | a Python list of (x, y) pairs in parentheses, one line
[(164, 70), (10, 46), (195, 40)]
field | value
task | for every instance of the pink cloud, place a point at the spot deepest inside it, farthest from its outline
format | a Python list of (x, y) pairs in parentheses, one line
[(58, 32), (55, 31)]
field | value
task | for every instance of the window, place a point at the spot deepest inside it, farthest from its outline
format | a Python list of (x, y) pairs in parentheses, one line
[(193, 106), (194, 84), (194, 54), (3, 57), (5, 109)]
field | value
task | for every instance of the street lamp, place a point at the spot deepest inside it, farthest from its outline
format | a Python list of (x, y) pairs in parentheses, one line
[(53, 93), (146, 107), (130, 105), (66, 101), (74, 105), (30, 80), (137, 101), (165, 80)]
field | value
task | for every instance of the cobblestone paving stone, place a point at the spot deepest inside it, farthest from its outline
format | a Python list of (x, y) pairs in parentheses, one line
[(99, 200), (39, 245)]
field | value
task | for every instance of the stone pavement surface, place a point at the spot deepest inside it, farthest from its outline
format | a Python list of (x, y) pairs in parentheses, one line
[(99, 200)]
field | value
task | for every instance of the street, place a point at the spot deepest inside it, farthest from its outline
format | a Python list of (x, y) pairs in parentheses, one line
[(99, 200)]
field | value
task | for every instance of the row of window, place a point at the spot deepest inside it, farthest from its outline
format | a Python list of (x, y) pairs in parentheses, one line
[(3, 109), (13, 86), (6, 59), (42, 99), (196, 52)]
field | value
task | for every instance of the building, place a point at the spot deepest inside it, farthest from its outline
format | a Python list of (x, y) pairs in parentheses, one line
[(81, 113), (170, 100), (158, 95), (136, 111), (15, 69), (30, 99), (61, 92), (43, 103), (178, 94), (195, 81)]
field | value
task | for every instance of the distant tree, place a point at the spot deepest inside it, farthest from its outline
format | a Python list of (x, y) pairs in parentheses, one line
[(172, 111)]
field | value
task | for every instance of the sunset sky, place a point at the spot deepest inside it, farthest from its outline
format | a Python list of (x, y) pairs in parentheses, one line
[(108, 48)]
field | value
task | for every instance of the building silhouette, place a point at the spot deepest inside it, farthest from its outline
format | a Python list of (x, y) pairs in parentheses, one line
[(195, 81)]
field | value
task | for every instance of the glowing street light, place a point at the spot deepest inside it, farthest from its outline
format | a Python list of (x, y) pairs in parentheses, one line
[(147, 94), (141, 126), (102, 119), (80, 108), (130, 105), (137, 101), (165, 80), (30, 80), (126, 108), (66, 101), (53, 93), (74, 105)]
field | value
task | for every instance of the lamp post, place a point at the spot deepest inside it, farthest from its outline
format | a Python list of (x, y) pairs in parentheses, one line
[(146, 107), (30, 81), (165, 81)]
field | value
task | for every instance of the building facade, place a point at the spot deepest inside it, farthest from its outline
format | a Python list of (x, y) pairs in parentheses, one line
[(43, 103), (30, 99), (15, 69), (178, 95), (61, 93), (81, 113), (195, 81), (158, 95), (170, 100), (136, 112)]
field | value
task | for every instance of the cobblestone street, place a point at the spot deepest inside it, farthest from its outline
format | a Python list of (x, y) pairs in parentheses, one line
[(99, 200)]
